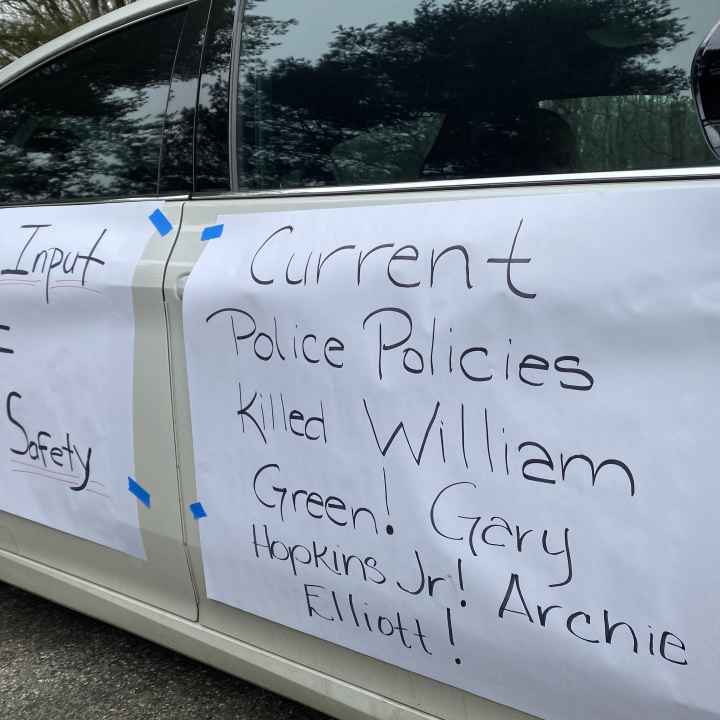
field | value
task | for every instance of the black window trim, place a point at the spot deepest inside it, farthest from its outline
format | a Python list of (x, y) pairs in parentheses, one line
[(240, 8), (185, 54), (209, 68)]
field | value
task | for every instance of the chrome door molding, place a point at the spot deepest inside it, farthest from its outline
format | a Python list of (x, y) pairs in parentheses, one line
[(664, 174)]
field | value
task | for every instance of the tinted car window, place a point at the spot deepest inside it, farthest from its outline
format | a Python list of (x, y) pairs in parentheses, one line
[(340, 92), (89, 123)]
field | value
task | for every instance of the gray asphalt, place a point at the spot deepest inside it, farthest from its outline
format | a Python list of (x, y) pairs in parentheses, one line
[(57, 664)]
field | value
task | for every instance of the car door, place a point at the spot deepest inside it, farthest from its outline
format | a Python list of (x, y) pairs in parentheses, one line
[(88, 470), (474, 204)]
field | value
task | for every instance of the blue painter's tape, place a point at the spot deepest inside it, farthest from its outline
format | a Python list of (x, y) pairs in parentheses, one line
[(161, 223), (212, 232), (198, 510), (139, 492)]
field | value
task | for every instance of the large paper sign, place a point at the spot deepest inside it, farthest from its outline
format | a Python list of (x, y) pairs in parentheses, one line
[(473, 438), (66, 367)]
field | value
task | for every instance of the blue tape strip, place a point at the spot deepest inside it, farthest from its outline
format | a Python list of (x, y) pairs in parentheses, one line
[(139, 492), (161, 223), (198, 510), (212, 232)]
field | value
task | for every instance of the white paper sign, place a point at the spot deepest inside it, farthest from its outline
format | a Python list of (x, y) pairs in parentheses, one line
[(66, 367), (475, 439)]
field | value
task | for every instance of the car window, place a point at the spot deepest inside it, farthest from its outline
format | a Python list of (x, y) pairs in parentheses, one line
[(89, 123), (337, 92)]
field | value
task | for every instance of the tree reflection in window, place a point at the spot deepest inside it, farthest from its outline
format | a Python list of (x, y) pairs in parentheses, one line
[(463, 88), (89, 123)]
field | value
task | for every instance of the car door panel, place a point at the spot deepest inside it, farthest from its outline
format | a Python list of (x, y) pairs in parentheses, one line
[(650, 200), (334, 125), (81, 125), (161, 577)]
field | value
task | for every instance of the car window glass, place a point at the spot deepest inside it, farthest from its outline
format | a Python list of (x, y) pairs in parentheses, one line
[(89, 123), (337, 92)]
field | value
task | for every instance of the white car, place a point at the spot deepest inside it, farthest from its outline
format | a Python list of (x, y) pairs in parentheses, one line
[(368, 350)]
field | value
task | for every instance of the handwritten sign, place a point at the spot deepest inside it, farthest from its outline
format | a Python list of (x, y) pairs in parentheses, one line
[(473, 438), (66, 367)]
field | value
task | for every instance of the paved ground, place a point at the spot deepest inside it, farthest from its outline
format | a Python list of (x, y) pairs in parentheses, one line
[(56, 664)]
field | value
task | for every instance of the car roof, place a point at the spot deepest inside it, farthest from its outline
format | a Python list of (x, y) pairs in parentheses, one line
[(105, 23)]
